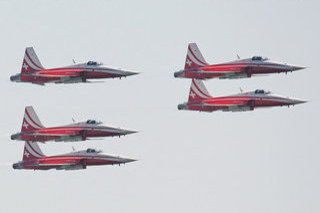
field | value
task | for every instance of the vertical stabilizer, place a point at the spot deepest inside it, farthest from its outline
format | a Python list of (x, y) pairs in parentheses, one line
[(31, 151), (31, 62), (194, 57), (198, 91), (30, 120)]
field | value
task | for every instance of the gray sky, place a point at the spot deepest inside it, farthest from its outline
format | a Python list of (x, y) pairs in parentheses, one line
[(261, 161)]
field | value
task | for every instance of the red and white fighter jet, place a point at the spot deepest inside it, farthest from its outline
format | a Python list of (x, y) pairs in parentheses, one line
[(32, 71), (33, 130), (33, 158), (197, 67), (201, 100)]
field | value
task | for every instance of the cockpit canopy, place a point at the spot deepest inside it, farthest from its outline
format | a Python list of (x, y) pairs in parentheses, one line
[(258, 58), (92, 151), (93, 63), (91, 122), (261, 91)]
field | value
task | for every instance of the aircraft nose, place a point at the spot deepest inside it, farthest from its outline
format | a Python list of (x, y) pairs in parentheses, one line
[(297, 101), (294, 68), (127, 132), (127, 160), (129, 73)]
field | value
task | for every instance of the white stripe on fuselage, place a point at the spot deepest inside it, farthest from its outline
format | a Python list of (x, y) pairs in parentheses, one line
[(260, 97)]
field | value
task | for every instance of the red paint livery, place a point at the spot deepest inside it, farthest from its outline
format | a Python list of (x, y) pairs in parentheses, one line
[(33, 130), (33, 158), (197, 67), (201, 100), (32, 71)]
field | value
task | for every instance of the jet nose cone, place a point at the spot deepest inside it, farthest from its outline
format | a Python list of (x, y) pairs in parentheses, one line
[(294, 68), (128, 160), (127, 132), (129, 73), (297, 101)]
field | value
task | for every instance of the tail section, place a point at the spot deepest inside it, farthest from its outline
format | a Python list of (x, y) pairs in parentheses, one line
[(31, 62), (30, 120), (198, 91), (194, 57), (32, 151)]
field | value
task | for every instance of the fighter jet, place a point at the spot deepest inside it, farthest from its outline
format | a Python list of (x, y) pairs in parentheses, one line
[(33, 130), (201, 100), (33, 158), (32, 71), (197, 67)]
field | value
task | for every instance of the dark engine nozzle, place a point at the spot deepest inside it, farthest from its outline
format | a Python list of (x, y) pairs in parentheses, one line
[(179, 74), (17, 165), (15, 77), (182, 106), (16, 136)]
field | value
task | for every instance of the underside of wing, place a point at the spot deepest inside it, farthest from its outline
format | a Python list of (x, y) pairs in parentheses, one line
[(70, 76), (243, 104)]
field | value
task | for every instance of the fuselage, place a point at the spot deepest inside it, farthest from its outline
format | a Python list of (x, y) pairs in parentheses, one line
[(73, 132), (71, 74), (240, 102), (72, 161), (244, 68)]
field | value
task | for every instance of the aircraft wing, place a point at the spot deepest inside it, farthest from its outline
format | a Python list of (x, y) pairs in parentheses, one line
[(71, 76), (234, 106)]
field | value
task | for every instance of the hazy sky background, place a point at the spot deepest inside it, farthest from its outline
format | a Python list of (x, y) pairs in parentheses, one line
[(261, 161)]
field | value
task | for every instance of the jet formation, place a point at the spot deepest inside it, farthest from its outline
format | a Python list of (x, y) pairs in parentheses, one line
[(32, 131), (197, 69)]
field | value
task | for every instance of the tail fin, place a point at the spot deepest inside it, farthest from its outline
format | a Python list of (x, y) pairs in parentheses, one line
[(194, 57), (32, 151), (31, 62), (30, 120), (198, 91)]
